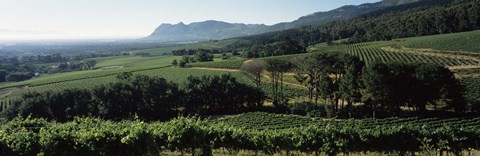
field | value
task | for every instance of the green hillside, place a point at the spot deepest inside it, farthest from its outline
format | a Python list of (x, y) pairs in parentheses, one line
[(451, 50)]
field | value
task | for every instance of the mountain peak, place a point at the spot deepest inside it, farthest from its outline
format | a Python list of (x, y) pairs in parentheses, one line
[(214, 30), (206, 30)]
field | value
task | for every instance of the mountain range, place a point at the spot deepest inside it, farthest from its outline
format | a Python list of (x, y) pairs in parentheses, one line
[(215, 30)]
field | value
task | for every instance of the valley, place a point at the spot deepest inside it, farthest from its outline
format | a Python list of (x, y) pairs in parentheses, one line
[(390, 77)]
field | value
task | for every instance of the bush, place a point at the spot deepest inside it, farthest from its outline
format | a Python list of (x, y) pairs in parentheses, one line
[(15, 77), (308, 109)]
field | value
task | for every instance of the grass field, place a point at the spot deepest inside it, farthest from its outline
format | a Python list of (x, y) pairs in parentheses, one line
[(169, 49)]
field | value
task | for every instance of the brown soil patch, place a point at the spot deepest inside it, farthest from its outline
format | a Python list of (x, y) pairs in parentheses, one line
[(7, 91)]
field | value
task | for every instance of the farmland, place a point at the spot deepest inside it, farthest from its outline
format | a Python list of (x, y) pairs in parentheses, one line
[(169, 49), (371, 54), (384, 51), (391, 77), (269, 121), (465, 42)]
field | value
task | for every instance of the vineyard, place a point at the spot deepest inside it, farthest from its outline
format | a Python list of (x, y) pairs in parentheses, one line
[(466, 41), (236, 64), (369, 53), (472, 88), (89, 136), (231, 64), (268, 121), (6, 102), (168, 49)]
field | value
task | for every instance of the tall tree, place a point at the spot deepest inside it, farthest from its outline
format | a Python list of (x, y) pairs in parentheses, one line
[(276, 70), (253, 70)]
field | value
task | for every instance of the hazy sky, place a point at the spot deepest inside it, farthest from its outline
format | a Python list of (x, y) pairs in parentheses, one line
[(105, 19)]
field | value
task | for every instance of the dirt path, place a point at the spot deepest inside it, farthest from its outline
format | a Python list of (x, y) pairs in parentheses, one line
[(287, 83), (110, 67), (216, 69)]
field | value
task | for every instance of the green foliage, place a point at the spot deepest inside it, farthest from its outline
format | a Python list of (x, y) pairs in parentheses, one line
[(89, 136), (426, 17), (391, 86), (220, 95), (145, 97), (472, 92), (15, 77), (227, 64), (204, 45)]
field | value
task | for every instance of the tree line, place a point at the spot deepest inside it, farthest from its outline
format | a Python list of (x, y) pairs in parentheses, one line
[(149, 98), (338, 81), (182, 52)]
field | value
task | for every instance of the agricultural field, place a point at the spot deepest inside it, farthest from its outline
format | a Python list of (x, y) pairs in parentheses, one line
[(119, 61), (465, 42), (456, 51), (237, 63), (369, 54), (169, 49), (227, 64), (270, 121), (151, 66), (472, 88), (276, 135)]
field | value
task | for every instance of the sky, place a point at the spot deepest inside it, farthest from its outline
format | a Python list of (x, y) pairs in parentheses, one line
[(122, 19)]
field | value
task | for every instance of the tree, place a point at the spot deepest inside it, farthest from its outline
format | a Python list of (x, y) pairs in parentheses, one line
[(182, 64), (375, 79), (276, 69), (18, 76), (220, 95), (203, 57), (325, 89), (146, 97), (253, 70), (393, 85), (3, 75), (124, 76), (174, 62), (89, 64), (70, 103), (349, 87)]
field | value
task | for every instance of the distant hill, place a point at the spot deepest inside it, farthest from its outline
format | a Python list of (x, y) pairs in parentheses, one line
[(214, 30), (342, 13), (207, 30)]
